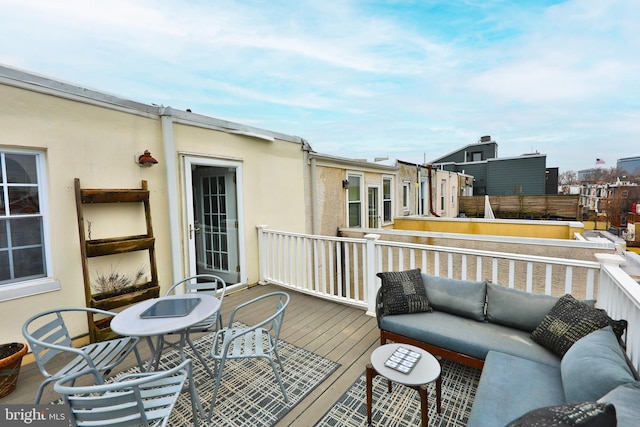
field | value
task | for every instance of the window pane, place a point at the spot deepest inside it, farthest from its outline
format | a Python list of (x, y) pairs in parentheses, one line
[(21, 168), (5, 272), (2, 210), (3, 234), (354, 215), (354, 188), (387, 211), (23, 200), (28, 262), (386, 189), (26, 231)]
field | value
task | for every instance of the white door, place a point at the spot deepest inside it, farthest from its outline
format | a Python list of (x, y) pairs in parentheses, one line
[(373, 207), (213, 226)]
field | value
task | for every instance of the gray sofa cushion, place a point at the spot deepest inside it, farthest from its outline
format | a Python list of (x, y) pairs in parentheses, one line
[(626, 399), (467, 336), (403, 292), (516, 308), (455, 296), (510, 387), (594, 366)]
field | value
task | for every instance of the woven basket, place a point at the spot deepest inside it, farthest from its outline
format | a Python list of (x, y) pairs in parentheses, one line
[(10, 366)]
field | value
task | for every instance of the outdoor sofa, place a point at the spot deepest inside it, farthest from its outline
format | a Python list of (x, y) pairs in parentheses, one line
[(542, 357)]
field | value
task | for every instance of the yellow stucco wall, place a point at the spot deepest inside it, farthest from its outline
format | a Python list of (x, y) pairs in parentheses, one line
[(519, 228), (97, 144)]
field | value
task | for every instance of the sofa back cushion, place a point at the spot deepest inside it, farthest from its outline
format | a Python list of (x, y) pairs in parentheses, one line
[(515, 308), (594, 366), (459, 297)]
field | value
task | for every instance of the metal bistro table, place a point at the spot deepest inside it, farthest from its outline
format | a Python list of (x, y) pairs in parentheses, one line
[(130, 322), (425, 371)]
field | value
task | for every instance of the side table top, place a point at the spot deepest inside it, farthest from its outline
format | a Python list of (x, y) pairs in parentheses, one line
[(426, 370)]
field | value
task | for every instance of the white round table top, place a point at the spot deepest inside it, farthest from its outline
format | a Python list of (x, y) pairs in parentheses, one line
[(129, 323), (425, 371)]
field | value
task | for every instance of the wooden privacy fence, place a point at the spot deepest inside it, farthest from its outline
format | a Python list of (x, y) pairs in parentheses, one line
[(542, 207)]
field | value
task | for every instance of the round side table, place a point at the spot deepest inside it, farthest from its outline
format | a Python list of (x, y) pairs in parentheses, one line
[(424, 372)]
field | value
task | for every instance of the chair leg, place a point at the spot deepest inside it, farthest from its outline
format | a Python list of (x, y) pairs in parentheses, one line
[(41, 390), (215, 389), (275, 371)]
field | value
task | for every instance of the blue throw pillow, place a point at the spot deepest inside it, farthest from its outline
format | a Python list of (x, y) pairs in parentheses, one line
[(594, 366)]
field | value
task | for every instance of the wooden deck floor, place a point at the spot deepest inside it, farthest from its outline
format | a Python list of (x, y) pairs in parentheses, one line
[(343, 334)]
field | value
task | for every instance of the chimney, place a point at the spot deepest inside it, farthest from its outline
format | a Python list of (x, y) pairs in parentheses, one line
[(486, 138)]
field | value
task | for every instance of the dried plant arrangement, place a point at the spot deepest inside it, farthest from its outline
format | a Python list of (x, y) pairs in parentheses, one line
[(116, 283)]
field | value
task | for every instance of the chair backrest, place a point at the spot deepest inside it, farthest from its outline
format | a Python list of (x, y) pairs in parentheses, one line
[(47, 335), (207, 283), (141, 399), (273, 323)]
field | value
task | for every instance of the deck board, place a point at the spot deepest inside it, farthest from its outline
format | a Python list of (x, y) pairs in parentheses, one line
[(338, 332)]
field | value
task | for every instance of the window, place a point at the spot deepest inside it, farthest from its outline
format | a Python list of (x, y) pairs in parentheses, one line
[(405, 195), (443, 193), (354, 202), (387, 205), (476, 157), (22, 235)]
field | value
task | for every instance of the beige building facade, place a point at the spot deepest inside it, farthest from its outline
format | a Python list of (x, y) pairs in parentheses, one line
[(214, 183)]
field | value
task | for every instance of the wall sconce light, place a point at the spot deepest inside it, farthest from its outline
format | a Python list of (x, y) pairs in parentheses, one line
[(145, 159), (345, 183)]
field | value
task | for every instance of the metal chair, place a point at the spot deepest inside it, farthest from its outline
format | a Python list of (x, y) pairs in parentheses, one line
[(49, 339), (140, 399), (207, 283), (257, 341)]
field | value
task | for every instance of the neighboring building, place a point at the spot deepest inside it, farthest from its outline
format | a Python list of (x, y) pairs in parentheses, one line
[(630, 165), (522, 175), (351, 193)]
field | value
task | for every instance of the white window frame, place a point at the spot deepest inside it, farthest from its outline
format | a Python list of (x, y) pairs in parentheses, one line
[(360, 201), (390, 200), (406, 195), (27, 287)]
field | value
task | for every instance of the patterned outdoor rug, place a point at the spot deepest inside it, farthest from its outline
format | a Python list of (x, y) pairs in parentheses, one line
[(249, 394), (402, 406)]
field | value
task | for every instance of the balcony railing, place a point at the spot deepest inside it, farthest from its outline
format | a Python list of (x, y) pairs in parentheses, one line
[(344, 270)]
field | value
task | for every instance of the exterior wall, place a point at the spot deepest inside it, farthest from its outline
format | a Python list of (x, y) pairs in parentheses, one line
[(82, 136), (331, 197), (515, 228), (451, 194), (516, 176)]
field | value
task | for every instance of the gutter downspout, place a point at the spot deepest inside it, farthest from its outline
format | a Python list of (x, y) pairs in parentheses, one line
[(314, 197), (173, 205), (429, 169)]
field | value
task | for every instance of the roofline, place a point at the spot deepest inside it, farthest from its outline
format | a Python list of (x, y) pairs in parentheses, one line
[(38, 83), (363, 164), (464, 148)]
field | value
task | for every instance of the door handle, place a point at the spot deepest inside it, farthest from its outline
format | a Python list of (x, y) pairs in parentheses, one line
[(192, 229)]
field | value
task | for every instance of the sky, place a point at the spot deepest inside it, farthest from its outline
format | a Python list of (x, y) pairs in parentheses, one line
[(409, 80)]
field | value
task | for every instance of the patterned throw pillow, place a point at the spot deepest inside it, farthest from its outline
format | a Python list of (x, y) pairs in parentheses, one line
[(403, 292), (585, 414), (567, 322)]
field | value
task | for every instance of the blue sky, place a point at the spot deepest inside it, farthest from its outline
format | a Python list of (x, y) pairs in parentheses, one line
[(412, 80)]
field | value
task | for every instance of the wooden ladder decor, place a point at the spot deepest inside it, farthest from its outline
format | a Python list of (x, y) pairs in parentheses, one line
[(99, 329)]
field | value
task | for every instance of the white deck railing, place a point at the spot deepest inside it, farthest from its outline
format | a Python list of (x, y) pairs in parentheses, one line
[(344, 270)]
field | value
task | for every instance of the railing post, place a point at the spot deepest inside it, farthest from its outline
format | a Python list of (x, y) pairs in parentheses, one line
[(262, 255), (370, 276)]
